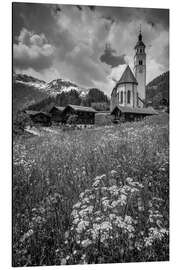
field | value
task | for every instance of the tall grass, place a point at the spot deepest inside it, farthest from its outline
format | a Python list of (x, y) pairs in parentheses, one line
[(51, 172)]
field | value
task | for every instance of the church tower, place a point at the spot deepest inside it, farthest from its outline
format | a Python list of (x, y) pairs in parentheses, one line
[(140, 69)]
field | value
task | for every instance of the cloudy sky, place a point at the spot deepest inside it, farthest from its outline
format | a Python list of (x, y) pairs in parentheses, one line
[(64, 41)]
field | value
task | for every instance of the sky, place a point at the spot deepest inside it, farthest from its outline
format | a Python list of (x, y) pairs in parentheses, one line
[(88, 45)]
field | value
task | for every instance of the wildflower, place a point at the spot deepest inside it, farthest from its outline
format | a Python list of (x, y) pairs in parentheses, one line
[(67, 257), (82, 225), (86, 243), (26, 235), (63, 261), (83, 256), (113, 173), (66, 234), (77, 205)]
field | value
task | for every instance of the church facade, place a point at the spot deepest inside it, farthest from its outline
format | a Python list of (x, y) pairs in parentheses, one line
[(130, 89), (129, 93)]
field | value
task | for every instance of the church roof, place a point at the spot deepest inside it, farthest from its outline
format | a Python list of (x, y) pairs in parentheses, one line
[(127, 77)]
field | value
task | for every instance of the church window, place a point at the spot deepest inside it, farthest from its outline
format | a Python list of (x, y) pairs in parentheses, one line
[(137, 100), (118, 97), (128, 96), (121, 97), (140, 62)]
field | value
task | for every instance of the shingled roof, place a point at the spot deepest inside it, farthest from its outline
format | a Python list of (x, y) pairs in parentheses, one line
[(33, 113), (81, 108), (59, 108), (126, 109), (127, 77)]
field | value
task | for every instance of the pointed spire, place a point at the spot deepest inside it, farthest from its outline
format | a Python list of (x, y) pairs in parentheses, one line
[(140, 35), (139, 42)]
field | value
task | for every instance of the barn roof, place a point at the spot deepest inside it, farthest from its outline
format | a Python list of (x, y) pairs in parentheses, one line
[(31, 112), (126, 109), (59, 108), (81, 108), (127, 77)]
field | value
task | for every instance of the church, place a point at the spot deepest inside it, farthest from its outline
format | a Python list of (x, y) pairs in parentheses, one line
[(129, 93)]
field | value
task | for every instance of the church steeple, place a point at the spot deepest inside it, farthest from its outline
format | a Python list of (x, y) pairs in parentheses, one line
[(140, 43), (140, 35), (140, 66)]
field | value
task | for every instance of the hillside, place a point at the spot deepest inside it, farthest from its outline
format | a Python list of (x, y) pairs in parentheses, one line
[(157, 91), (35, 94), (26, 90)]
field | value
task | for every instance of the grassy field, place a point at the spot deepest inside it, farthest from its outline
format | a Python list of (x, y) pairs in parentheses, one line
[(97, 195)]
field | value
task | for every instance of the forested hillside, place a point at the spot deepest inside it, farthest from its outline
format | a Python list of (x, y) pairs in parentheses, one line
[(157, 91)]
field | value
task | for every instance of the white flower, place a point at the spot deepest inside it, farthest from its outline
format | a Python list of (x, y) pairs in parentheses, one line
[(63, 261), (86, 243), (82, 225), (77, 205), (113, 173)]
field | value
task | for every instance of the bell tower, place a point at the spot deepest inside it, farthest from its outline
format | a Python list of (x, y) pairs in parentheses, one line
[(140, 68)]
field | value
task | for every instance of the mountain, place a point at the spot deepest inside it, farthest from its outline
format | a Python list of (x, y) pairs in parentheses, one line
[(26, 90), (58, 86), (35, 94), (157, 91)]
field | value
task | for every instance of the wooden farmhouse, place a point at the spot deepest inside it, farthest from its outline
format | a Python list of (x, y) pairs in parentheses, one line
[(85, 115), (125, 113), (39, 118), (56, 113)]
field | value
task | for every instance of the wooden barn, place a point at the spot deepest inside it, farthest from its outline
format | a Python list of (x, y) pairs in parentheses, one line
[(125, 113), (39, 117), (85, 115), (56, 113)]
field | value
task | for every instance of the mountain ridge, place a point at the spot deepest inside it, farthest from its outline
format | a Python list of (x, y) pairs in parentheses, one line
[(30, 92)]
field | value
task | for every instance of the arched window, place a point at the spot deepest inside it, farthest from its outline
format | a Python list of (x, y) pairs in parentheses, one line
[(140, 62), (121, 97), (128, 96), (118, 96)]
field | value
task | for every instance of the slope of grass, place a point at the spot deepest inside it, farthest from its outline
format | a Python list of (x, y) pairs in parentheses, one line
[(57, 175)]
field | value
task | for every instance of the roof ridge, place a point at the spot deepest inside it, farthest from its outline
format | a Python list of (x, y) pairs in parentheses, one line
[(127, 76)]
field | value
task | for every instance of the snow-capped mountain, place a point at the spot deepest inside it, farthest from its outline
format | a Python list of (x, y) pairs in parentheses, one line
[(28, 90), (60, 85), (52, 88), (31, 92), (29, 81)]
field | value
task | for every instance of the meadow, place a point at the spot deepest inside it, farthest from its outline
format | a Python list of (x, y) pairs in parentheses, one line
[(97, 195)]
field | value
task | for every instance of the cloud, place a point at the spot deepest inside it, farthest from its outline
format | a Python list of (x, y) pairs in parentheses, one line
[(67, 41), (150, 16), (32, 51), (110, 58)]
